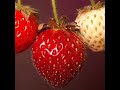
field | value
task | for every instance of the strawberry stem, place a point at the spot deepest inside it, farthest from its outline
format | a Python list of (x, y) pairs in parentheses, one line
[(55, 11), (92, 2), (19, 4)]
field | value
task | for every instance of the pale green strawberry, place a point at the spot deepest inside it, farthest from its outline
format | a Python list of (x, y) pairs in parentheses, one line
[(91, 22)]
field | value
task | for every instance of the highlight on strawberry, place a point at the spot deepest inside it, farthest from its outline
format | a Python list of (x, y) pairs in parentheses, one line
[(58, 53), (26, 26)]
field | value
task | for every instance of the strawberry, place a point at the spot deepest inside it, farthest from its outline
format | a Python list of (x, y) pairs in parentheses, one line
[(91, 22), (58, 55), (25, 27)]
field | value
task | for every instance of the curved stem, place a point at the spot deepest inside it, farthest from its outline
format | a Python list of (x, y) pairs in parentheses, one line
[(55, 11), (19, 3), (92, 2)]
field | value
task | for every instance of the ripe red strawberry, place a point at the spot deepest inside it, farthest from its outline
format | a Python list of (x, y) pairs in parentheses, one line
[(25, 27), (58, 55)]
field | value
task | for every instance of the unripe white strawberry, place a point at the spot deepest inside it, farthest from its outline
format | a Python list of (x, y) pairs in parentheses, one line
[(91, 22)]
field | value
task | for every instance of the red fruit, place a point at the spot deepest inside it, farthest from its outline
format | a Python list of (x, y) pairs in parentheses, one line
[(58, 56), (25, 29)]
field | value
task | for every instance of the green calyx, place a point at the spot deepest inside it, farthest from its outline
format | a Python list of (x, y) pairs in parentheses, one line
[(55, 25), (26, 10), (93, 7)]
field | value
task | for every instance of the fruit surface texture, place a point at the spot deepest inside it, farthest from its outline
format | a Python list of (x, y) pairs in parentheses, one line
[(58, 56), (25, 30), (92, 28)]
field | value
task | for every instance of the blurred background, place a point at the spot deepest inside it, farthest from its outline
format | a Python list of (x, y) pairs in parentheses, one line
[(92, 76)]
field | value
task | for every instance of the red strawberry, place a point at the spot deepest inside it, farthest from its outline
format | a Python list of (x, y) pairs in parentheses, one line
[(58, 55), (25, 27)]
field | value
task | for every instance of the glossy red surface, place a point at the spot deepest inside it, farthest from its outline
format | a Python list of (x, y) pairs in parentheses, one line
[(58, 56), (25, 31), (92, 75)]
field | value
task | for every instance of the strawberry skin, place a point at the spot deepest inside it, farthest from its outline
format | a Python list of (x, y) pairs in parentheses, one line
[(58, 56), (92, 27), (25, 31)]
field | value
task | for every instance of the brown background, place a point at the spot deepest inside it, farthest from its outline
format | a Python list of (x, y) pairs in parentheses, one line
[(92, 76)]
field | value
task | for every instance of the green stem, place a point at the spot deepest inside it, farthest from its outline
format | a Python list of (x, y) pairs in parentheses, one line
[(55, 11), (19, 3), (92, 2)]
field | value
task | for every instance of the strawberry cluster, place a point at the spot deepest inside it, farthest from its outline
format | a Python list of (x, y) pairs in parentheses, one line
[(59, 51)]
